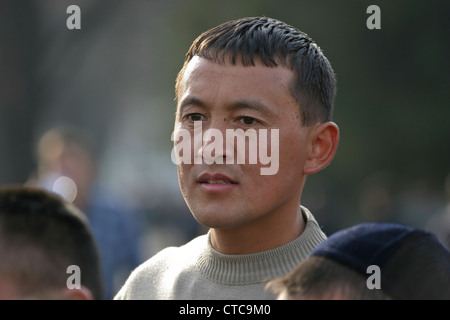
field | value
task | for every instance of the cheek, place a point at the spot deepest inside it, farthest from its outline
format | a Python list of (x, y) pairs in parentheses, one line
[(262, 194), (292, 159), (183, 177), (293, 148), (282, 159)]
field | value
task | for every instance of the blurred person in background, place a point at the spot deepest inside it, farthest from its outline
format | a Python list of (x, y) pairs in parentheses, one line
[(67, 165), (371, 261), (41, 238)]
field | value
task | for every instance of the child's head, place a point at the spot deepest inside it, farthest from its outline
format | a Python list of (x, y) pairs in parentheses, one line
[(372, 261)]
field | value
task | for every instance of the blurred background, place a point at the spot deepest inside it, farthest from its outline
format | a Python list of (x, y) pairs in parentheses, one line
[(115, 77)]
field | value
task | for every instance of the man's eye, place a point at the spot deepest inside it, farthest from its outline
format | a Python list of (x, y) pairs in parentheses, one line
[(194, 117), (247, 120)]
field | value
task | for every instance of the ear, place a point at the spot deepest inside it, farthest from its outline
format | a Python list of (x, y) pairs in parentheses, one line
[(77, 294), (324, 142)]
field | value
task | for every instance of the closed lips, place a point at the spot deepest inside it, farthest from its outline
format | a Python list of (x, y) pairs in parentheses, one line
[(215, 179)]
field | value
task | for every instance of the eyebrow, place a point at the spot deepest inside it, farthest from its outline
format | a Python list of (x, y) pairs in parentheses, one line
[(191, 101), (250, 104)]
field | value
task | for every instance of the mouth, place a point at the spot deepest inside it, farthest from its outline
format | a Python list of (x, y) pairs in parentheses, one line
[(216, 178), (216, 183)]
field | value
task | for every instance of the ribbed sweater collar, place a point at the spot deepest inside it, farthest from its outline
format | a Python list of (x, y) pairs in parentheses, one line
[(259, 267)]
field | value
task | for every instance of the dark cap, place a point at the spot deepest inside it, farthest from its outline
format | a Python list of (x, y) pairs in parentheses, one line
[(413, 263)]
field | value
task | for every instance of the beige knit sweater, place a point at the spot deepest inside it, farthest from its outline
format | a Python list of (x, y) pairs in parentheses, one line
[(197, 271)]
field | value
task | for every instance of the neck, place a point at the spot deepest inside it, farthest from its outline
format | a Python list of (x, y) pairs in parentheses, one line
[(264, 234)]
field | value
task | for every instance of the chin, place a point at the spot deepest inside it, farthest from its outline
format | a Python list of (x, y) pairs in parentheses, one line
[(217, 219)]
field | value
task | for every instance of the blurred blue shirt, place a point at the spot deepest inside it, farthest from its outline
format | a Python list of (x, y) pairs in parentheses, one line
[(117, 236)]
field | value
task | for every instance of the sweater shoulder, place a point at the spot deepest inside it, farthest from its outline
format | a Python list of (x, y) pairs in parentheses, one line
[(148, 280), (170, 255)]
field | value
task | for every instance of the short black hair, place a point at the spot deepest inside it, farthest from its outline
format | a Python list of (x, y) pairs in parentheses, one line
[(320, 278), (40, 236), (273, 42)]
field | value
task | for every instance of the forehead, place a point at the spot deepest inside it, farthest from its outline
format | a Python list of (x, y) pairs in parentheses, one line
[(204, 77)]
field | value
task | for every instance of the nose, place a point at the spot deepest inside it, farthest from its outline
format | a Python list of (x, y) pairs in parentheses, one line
[(215, 148)]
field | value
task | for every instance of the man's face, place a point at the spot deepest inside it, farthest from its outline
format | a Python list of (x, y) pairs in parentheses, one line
[(226, 96)]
